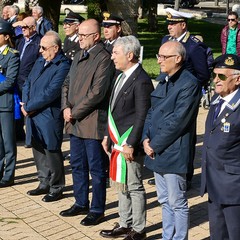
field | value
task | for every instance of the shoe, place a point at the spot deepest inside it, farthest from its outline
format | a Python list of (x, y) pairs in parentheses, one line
[(38, 191), (74, 210), (52, 197), (116, 232), (151, 181), (133, 235), (27, 146), (92, 219), (4, 184)]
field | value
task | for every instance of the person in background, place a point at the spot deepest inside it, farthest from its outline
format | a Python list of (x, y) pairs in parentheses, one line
[(18, 29), (220, 176), (230, 35), (28, 47), (112, 29), (167, 135), (70, 27), (5, 14), (9, 65), (41, 105), (43, 24), (13, 11), (129, 103), (85, 96)]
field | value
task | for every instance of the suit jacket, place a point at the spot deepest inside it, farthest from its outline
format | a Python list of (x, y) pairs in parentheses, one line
[(9, 65), (42, 94), (86, 91), (170, 123), (196, 58), (221, 158), (132, 104), (70, 48), (29, 57)]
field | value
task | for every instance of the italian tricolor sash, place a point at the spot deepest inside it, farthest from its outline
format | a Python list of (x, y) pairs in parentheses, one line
[(118, 166)]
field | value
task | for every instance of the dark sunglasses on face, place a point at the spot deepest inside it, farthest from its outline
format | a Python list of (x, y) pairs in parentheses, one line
[(221, 76), (26, 27), (231, 19)]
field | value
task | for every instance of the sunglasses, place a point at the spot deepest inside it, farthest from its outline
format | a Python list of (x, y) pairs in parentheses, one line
[(221, 76), (26, 27), (232, 19), (45, 48)]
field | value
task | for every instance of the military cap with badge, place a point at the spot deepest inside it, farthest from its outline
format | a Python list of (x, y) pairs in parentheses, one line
[(110, 20), (174, 16), (72, 17), (6, 27)]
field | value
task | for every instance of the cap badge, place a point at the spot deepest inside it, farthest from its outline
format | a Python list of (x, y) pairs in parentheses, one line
[(106, 15), (229, 61), (169, 15)]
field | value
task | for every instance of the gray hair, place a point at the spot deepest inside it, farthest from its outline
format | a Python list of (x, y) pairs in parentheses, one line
[(129, 44), (39, 9), (56, 38), (180, 50), (15, 9)]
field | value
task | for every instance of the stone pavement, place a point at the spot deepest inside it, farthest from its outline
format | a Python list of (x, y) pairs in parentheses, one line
[(29, 218)]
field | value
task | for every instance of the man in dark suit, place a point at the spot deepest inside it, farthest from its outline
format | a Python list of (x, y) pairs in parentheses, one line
[(196, 59), (70, 27), (221, 159), (44, 123), (85, 97), (168, 132), (112, 29), (130, 101)]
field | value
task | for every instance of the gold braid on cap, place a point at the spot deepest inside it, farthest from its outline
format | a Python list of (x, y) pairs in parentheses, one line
[(229, 61), (106, 15)]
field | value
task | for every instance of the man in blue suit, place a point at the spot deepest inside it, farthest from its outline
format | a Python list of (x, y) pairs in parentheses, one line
[(221, 158), (168, 132), (42, 107)]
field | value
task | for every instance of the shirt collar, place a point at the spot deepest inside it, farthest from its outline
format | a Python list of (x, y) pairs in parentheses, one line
[(2, 48)]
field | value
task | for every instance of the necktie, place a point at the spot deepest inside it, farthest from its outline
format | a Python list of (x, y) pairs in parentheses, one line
[(217, 109), (117, 89)]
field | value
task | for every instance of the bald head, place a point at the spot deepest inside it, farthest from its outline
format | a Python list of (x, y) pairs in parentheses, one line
[(89, 33), (29, 21)]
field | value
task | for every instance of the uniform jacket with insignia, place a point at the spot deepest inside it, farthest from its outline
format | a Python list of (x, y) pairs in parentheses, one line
[(70, 48), (9, 65), (196, 58), (221, 159)]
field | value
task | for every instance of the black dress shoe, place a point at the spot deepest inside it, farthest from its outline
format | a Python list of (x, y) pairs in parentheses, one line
[(133, 235), (74, 210), (92, 219), (38, 191), (151, 181), (116, 232), (4, 184), (51, 197), (27, 146)]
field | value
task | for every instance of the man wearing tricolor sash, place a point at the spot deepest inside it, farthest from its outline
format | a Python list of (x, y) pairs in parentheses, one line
[(129, 103)]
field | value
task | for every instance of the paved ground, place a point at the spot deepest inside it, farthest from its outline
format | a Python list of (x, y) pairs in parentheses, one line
[(25, 217)]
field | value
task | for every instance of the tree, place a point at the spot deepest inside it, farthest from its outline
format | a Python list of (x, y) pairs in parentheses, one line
[(152, 15), (128, 10)]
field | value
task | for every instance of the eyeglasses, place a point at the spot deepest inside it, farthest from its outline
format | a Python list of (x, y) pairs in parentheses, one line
[(232, 19), (221, 76), (84, 36), (164, 57), (69, 24), (45, 48), (25, 27)]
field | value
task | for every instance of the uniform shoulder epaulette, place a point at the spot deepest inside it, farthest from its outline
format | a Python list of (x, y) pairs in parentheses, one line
[(195, 39), (12, 50)]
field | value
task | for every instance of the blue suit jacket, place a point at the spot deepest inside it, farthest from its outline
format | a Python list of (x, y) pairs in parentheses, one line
[(42, 94), (221, 155), (170, 123)]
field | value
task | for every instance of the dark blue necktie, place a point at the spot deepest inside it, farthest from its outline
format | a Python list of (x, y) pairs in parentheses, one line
[(217, 109)]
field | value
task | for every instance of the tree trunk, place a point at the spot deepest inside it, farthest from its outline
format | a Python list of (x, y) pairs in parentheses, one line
[(128, 10), (51, 10), (152, 15)]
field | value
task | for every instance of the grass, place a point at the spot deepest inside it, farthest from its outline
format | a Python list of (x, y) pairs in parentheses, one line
[(151, 41)]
